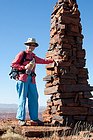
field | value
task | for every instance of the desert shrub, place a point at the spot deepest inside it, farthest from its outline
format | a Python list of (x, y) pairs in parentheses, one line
[(9, 135)]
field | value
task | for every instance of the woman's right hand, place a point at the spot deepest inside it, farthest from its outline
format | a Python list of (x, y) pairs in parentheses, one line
[(27, 66)]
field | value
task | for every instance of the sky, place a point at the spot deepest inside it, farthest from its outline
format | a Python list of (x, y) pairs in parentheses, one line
[(21, 19)]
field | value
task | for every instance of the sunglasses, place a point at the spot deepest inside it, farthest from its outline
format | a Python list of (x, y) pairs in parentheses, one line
[(31, 45)]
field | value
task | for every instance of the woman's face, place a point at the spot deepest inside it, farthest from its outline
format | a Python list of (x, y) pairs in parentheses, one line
[(30, 47)]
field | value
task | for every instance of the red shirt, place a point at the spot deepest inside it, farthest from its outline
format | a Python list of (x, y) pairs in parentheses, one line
[(29, 56)]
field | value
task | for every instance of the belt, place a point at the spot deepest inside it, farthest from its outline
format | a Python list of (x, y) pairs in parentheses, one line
[(24, 72)]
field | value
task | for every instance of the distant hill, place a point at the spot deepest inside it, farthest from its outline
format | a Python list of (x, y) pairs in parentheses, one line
[(6, 108), (8, 111), (11, 108), (8, 105)]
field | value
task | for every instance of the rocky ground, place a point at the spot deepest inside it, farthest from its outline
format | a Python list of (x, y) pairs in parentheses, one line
[(30, 132), (10, 130)]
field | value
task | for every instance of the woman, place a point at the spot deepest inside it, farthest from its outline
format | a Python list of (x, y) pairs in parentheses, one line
[(26, 85)]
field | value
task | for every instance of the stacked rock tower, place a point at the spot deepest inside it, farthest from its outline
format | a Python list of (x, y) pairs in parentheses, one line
[(67, 77)]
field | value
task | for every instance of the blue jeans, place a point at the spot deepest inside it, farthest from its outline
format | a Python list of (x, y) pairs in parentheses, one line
[(27, 90)]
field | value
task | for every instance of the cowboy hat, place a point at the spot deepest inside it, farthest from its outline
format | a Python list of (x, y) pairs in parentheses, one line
[(31, 41)]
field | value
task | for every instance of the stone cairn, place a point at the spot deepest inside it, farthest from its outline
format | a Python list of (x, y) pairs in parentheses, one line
[(67, 77)]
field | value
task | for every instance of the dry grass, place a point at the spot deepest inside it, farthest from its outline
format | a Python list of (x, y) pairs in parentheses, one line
[(10, 135), (81, 131)]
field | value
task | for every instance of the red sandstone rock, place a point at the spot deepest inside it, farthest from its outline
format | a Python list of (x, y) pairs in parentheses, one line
[(67, 79)]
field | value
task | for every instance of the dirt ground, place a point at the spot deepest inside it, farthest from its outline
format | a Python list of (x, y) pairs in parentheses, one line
[(10, 129)]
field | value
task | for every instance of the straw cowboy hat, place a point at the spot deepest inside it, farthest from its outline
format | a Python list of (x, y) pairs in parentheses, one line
[(31, 41)]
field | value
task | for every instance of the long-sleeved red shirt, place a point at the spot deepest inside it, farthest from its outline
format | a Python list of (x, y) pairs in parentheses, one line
[(29, 56)]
